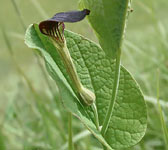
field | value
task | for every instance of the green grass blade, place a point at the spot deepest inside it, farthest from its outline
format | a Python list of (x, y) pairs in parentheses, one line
[(162, 120), (77, 138), (9, 48), (2, 142), (36, 55), (19, 14), (70, 141), (39, 8)]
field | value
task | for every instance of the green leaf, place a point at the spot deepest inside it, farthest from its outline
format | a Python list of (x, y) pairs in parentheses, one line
[(35, 40), (108, 19), (96, 72)]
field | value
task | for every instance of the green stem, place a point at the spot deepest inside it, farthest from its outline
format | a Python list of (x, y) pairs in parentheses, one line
[(114, 93), (70, 142), (162, 120), (76, 138), (94, 108), (104, 148)]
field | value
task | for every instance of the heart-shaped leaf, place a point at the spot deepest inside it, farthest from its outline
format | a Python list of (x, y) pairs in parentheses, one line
[(96, 72)]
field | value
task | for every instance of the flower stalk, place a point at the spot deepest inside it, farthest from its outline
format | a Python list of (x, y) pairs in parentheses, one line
[(70, 141)]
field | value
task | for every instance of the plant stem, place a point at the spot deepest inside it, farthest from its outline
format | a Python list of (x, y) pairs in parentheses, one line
[(94, 108), (162, 120), (70, 142), (114, 93), (104, 148), (76, 138)]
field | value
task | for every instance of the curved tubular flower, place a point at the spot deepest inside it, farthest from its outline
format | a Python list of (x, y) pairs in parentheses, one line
[(54, 28)]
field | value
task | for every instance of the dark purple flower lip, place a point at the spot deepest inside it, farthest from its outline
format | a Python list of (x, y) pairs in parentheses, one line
[(54, 27), (71, 16)]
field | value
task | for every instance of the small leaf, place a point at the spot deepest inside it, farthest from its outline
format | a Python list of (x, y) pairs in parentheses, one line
[(108, 19), (96, 72)]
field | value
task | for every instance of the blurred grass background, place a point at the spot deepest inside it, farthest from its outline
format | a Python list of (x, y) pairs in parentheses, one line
[(38, 121)]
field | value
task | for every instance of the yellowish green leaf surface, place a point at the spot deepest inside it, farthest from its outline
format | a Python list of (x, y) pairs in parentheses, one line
[(96, 72)]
